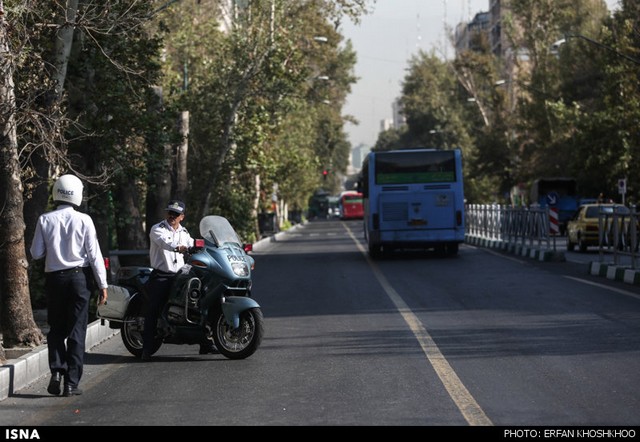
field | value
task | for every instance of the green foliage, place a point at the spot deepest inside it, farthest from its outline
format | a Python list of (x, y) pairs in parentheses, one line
[(439, 114), (247, 78), (255, 104), (568, 110)]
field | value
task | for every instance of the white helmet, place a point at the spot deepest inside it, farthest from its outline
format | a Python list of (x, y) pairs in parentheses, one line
[(68, 189)]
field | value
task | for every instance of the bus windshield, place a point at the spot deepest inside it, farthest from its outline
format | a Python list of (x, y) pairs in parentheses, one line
[(410, 168), (353, 198)]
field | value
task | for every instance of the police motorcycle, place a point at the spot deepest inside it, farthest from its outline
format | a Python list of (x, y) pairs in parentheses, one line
[(211, 298)]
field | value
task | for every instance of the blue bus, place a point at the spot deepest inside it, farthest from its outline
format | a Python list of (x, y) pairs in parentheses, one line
[(413, 198)]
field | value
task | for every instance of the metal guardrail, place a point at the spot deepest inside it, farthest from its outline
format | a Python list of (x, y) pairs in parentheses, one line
[(618, 234), (530, 226), (516, 225)]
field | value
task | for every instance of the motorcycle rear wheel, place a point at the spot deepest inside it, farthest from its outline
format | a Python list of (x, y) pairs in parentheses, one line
[(131, 333), (241, 342)]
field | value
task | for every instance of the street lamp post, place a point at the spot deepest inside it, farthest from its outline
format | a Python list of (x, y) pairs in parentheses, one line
[(562, 41)]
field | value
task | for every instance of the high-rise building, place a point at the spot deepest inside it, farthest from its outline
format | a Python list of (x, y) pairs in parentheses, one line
[(398, 118), (386, 124), (481, 23), (358, 154)]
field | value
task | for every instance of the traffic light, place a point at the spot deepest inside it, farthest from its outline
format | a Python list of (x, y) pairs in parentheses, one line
[(325, 172)]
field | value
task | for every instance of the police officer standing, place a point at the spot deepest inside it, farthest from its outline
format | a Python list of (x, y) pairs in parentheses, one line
[(73, 264), (168, 241)]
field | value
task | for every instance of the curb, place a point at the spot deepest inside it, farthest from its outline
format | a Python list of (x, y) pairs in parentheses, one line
[(258, 245), (609, 271), (615, 273), (539, 254), (19, 373)]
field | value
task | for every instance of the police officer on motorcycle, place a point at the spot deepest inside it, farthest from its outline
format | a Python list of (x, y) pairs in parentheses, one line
[(169, 240)]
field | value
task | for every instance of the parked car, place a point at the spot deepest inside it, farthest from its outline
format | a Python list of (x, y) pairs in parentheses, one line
[(583, 227)]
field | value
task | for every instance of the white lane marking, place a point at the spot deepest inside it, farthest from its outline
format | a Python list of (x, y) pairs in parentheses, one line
[(584, 281), (465, 402), (602, 286)]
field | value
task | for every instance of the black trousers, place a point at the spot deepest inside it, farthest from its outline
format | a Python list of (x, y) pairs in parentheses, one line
[(68, 293), (158, 288)]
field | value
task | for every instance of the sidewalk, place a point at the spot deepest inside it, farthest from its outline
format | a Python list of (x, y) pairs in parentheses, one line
[(24, 370)]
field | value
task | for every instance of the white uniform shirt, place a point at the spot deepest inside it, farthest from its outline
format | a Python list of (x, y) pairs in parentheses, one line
[(67, 238), (164, 240)]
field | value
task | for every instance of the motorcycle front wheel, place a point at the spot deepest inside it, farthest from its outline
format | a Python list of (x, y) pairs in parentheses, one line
[(131, 333), (242, 342)]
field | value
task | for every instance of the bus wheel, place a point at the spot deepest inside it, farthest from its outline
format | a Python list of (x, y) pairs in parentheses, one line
[(375, 251), (452, 248)]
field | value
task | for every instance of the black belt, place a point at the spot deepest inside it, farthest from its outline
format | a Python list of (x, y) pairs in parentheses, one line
[(162, 273), (66, 271)]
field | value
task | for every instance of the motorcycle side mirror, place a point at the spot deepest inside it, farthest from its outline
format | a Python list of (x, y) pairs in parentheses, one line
[(247, 247)]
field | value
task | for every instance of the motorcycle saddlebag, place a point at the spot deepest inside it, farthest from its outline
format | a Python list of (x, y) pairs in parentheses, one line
[(117, 303)]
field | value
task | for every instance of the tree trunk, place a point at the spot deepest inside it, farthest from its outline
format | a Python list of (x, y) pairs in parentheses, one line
[(16, 316), (256, 207), (159, 173), (64, 42), (129, 224), (182, 180), (37, 195), (99, 208)]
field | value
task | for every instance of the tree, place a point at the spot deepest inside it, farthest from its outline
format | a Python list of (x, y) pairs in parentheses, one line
[(16, 316), (489, 163), (543, 135), (608, 108), (121, 122), (254, 81), (35, 127)]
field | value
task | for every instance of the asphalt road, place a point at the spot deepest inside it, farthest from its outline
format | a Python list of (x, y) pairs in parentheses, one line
[(415, 339)]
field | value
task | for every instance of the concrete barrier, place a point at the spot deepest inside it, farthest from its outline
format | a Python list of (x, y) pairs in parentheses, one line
[(526, 251), (615, 273)]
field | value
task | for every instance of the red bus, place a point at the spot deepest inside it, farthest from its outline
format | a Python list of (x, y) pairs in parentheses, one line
[(351, 205)]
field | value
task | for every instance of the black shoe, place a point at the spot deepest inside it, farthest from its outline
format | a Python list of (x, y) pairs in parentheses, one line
[(54, 384), (206, 349), (71, 391), (145, 356)]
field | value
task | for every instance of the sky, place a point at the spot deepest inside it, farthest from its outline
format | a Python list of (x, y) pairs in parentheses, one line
[(384, 42)]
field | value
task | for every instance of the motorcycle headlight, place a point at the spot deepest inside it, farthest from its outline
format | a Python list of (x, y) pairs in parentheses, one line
[(240, 268)]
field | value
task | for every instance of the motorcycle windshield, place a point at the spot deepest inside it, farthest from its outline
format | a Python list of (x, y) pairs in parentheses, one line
[(217, 230)]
